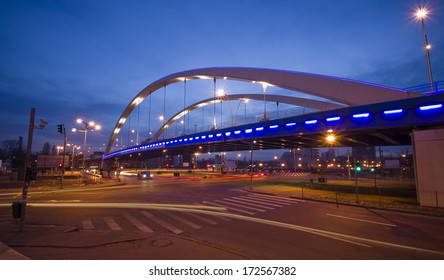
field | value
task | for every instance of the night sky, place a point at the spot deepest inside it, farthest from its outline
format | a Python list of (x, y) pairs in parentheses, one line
[(89, 59)]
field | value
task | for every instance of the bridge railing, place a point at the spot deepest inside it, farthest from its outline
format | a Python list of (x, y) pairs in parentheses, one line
[(425, 88)]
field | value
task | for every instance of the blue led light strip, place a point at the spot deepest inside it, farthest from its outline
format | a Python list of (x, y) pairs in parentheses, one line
[(363, 115), (430, 107), (396, 111), (332, 119), (311, 122)]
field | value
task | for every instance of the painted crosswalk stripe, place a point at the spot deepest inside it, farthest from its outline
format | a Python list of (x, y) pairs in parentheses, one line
[(265, 202), (280, 203), (229, 207), (258, 203), (279, 198), (237, 200), (203, 219), (274, 200), (161, 222), (111, 223), (87, 224), (226, 201), (217, 217), (137, 223), (182, 220)]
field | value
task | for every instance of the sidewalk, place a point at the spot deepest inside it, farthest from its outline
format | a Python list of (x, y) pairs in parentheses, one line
[(44, 242)]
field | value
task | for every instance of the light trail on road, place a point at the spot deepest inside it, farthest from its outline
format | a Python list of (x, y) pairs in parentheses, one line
[(220, 211)]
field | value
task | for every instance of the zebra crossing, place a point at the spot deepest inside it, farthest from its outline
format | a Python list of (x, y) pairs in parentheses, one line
[(281, 173), (178, 222), (5, 215)]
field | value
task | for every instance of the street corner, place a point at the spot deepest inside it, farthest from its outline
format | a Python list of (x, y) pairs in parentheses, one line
[(7, 253)]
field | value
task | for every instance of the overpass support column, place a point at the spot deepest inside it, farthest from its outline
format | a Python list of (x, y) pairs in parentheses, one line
[(428, 151)]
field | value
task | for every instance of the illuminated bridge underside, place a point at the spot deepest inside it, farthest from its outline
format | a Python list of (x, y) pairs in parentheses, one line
[(302, 102), (344, 91), (382, 124)]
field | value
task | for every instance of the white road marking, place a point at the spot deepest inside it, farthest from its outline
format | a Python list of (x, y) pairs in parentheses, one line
[(206, 211), (244, 201), (228, 207), (204, 219), (87, 224), (265, 202), (111, 223), (361, 220), (282, 203), (237, 204), (137, 223), (182, 220), (218, 217), (279, 198), (161, 222)]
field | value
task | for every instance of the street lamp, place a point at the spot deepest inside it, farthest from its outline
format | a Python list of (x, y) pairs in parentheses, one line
[(73, 146), (420, 14), (89, 126), (221, 94)]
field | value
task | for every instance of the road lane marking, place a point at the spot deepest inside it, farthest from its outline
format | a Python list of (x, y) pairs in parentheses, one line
[(282, 203), (211, 222), (241, 200), (87, 224), (162, 223), (237, 204), (202, 210), (137, 223), (243, 204), (112, 223), (228, 207), (182, 220), (204, 219), (265, 202), (361, 220), (278, 198)]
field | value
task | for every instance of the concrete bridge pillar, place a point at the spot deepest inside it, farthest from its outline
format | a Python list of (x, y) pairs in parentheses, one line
[(428, 151)]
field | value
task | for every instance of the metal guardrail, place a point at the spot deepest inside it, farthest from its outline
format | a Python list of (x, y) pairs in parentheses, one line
[(425, 88)]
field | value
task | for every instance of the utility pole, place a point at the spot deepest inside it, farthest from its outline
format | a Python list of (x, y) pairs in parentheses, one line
[(28, 176)]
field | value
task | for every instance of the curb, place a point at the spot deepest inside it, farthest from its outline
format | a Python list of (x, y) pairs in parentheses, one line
[(439, 214), (7, 253)]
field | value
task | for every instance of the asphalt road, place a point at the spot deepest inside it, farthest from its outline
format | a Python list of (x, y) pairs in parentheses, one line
[(214, 218)]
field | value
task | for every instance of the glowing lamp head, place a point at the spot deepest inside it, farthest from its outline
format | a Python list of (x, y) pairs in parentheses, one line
[(421, 13), (330, 138), (220, 92)]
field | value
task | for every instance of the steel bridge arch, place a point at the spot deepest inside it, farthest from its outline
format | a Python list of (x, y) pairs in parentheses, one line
[(297, 101), (340, 90)]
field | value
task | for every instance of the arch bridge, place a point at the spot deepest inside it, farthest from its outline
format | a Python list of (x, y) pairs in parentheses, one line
[(359, 114)]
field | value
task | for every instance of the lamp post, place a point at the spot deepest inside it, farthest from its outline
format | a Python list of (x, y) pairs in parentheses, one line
[(221, 94), (420, 14), (73, 146), (89, 126)]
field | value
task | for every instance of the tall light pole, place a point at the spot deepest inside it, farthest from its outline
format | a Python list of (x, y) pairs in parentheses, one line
[(221, 94), (88, 126), (420, 14)]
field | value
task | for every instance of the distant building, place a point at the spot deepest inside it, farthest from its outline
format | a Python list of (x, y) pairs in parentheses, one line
[(364, 154), (303, 158)]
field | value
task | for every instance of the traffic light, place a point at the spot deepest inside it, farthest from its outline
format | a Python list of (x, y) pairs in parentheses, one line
[(358, 168), (372, 169), (60, 128)]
